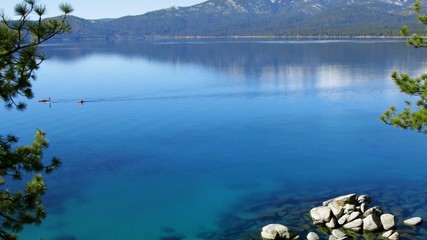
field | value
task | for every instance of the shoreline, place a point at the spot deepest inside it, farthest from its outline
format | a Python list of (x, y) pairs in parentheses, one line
[(275, 37), (236, 37)]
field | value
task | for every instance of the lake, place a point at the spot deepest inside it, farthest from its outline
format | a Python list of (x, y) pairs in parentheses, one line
[(215, 139)]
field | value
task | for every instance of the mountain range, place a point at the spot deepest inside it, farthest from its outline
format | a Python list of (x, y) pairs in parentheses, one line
[(257, 18)]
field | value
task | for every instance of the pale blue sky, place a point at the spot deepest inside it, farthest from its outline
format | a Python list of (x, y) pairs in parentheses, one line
[(94, 9)]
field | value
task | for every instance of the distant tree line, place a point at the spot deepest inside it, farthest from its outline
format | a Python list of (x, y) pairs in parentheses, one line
[(353, 21)]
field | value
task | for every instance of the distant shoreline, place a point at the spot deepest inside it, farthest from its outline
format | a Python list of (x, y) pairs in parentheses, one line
[(275, 37), (238, 37)]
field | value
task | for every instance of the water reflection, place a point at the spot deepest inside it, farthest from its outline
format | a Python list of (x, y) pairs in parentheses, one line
[(271, 64)]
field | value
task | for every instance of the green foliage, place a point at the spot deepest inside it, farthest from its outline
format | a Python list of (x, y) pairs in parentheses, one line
[(19, 59), (404, 32), (414, 116), (22, 207), (19, 55)]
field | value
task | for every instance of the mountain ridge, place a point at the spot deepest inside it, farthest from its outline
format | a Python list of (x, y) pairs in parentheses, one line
[(216, 18)]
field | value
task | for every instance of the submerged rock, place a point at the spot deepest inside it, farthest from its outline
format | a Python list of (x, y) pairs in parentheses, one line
[(394, 236), (277, 231), (338, 234), (177, 237), (415, 221), (387, 234), (65, 237)]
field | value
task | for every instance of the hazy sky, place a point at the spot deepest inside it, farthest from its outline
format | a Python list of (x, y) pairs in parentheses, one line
[(94, 9)]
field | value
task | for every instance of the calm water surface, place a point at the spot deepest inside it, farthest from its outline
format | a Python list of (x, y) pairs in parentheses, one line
[(213, 140)]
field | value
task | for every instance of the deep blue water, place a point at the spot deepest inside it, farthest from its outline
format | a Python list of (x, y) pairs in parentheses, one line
[(205, 139)]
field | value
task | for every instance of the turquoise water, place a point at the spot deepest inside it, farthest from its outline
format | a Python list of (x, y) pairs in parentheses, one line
[(214, 139)]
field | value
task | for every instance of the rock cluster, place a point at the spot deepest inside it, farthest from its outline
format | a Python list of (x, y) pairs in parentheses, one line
[(342, 215), (351, 212)]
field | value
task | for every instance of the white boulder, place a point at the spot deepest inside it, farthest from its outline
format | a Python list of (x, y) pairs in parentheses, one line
[(373, 210), (312, 236), (349, 208), (337, 210), (354, 224), (388, 222), (371, 223), (321, 215), (332, 224), (343, 219), (353, 216), (415, 221), (276, 231), (342, 200), (364, 199)]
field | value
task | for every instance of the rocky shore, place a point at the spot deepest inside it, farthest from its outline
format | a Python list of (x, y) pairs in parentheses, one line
[(346, 217)]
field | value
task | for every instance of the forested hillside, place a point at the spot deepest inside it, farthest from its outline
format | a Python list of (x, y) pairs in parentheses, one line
[(258, 17)]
